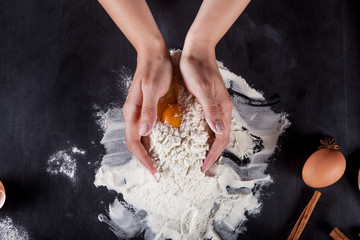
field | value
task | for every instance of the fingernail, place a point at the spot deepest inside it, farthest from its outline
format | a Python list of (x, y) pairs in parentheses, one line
[(151, 171), (210, 125), (219, 127), (143, 129), (203, 168)]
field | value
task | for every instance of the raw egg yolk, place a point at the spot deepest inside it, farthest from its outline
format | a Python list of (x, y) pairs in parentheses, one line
[(172, 115), (169, 98)]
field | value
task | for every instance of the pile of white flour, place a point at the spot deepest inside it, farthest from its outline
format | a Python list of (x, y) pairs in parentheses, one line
[(179, 152), (185, 203)]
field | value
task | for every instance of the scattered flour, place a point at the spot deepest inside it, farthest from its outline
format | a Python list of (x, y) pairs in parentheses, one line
[(100, 118), (64, 163), (10, 231), (77, 150), (125, 77), (185, 203)]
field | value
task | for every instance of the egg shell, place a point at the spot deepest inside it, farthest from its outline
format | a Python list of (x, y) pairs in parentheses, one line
[(2, 195), (323, 168)]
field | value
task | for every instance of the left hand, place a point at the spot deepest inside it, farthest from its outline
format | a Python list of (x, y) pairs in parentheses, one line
[(151, 81), (202, 78)]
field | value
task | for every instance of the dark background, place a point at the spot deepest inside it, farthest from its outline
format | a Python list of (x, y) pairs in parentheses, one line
[(59, 58)]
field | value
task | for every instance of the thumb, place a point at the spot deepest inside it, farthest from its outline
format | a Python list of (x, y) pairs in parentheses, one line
[(213, 115), (148, 113)]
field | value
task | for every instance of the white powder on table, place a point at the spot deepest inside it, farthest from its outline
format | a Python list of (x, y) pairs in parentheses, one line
[(63, 162), (77, 150), (10, 231), (185, 203)]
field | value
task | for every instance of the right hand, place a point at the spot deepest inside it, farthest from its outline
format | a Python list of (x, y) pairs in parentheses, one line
[(203, 79), (151, 81)]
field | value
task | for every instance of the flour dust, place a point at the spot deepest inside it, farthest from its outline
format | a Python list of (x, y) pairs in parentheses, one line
[(64, 163), (10, 231)]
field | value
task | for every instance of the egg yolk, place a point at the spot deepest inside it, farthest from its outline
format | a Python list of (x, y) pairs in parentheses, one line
[(172, 115), (169, 98)]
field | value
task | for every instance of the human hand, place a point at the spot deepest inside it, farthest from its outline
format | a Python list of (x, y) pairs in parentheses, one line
[(151, 81), (202, 78)]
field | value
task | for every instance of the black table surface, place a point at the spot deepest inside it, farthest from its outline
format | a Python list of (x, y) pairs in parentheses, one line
[(60, 58)]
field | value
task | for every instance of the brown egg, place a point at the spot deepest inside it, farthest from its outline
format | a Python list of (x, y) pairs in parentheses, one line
[(323, 168), (2, 194)]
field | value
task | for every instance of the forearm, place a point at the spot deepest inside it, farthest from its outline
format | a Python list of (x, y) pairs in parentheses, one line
[(135, 20), (213, 20), (200, 71)]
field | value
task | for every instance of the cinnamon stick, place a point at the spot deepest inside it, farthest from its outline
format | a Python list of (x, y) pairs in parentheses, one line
[(304, 217), (336, 234), (292, 234)]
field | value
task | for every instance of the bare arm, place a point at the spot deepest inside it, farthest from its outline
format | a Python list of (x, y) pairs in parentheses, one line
[(135, 20), (213, 20), (153, 72), (199, 69)]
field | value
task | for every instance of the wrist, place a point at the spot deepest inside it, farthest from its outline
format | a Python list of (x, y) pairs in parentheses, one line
[(197, 47), (153, 47)]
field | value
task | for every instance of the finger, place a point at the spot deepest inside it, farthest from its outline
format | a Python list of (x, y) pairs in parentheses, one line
[(226, 107), (221, 141), (216, 149), (133, 139), (212, 113), (148, 112), (137, 148)]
